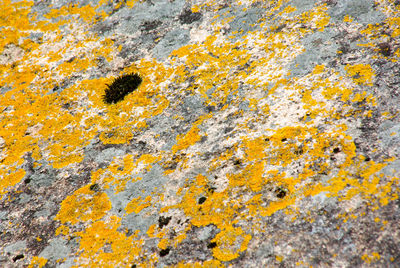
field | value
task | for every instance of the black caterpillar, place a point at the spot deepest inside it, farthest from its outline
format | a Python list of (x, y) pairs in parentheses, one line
[(120, 87)]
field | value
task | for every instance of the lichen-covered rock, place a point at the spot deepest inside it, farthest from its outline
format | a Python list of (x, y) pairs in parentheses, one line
[(263, 133)]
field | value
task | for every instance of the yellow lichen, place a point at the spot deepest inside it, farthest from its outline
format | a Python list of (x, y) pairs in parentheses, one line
[(37, 262), (56, 127), (95, 239), (83, 205), (230, 242), (138, 204), (361, 73)]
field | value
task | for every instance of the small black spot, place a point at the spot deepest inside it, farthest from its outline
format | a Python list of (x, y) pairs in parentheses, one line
[(280, 28), (280, 192), (141, 145), (129, 232), (66, 105), (336, 150), (201, 200), (266, 139), (187, 16), (171, 165), (385, 49), (28, 180), (203, 139), (237, 162), (133, 266), (228, 129), (331, 2), (18, 257), (367, 158), (299, 151), (121, 87), (94, 187), (397, 202), (212, 245), (150, 25), (284, 139), (211, 189), (163, 221), (210, 108), (71, 59), (344, 49), (164, 252)]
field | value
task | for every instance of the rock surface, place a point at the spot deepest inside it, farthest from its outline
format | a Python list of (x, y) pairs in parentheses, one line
[(264, 133)]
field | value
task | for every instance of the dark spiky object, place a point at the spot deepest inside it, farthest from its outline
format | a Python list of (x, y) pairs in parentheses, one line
[(121, 87)]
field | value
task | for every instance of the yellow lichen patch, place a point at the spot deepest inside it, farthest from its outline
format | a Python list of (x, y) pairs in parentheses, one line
[(87, 12), (195, 8), (15, 21), (64, 230), (374, 257), (208, 264), (230, 242), (347, 18), (183, 141), (186, 140), (275, 206), (361, 73), (10, 178), (102, 234), (123, 170), (83, 205), (37, 262), (254, 148), (146, 160), (163, 244), (318, 17), (251, 177), (131, 3), (138, 204), (213, 211)]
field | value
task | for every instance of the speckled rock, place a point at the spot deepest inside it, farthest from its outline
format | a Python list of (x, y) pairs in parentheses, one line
[(264, 133)]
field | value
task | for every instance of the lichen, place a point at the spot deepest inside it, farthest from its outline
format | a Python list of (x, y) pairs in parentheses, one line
[(262, 144)]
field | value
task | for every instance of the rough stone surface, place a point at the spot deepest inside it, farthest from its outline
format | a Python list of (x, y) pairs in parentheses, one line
[(264, 133)]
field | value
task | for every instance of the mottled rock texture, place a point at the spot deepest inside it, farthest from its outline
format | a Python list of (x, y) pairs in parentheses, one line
[(264, 133)]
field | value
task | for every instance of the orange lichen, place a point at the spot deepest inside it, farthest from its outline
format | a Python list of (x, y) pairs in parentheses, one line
[(190, 138), (230, 242), (361, 73), (138, 204), (83, 205), (64, 230), (101, 234), (37, 262), (10, 179), (209, 263), (267, 168), (374, 257)]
